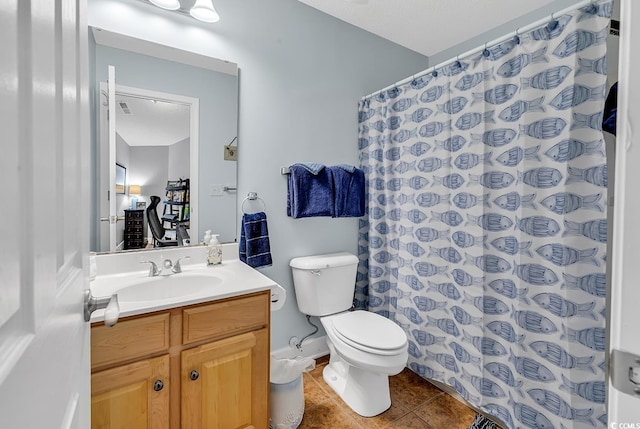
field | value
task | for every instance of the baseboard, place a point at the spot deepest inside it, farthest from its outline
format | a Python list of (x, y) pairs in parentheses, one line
[(313, 347)]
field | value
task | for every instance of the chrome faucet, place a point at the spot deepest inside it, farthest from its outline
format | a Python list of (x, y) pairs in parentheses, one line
[(153, 268), (168, 267), (177, 268)]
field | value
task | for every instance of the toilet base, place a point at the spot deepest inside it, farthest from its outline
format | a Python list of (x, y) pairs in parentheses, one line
[(365, 392)]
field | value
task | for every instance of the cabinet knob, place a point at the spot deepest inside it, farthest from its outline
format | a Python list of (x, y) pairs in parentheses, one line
[(194, 375), (158, 385)]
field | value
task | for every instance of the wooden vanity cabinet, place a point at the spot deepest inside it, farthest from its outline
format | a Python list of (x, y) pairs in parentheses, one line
[(202, 366), (131, 396)]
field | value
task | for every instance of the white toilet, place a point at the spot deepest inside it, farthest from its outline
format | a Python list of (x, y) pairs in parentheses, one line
[(365, 347)]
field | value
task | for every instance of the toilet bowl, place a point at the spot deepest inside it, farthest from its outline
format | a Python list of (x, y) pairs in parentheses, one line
[(365, 348)]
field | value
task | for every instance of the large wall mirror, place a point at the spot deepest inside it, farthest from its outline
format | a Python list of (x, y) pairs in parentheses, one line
[(173, 114)]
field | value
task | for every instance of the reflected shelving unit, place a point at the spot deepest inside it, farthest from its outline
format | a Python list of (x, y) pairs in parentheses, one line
[(176, 204)]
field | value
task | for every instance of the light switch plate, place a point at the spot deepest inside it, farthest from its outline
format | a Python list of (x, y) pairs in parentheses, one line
[(230, 153), (216, 190)]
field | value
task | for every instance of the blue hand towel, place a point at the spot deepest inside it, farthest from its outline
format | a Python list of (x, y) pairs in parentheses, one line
[(255, 250), (349, 189), (309, 194)]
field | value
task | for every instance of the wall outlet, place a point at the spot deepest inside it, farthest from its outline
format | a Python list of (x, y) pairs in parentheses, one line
[(230, 153)]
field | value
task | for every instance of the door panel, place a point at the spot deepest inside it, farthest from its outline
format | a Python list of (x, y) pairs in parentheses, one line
[(44, 355), (229, 391)]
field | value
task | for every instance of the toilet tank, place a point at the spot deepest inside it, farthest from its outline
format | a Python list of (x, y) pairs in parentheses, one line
[(324, 284)]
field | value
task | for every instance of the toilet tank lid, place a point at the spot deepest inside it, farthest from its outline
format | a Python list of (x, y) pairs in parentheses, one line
[(324, 261)]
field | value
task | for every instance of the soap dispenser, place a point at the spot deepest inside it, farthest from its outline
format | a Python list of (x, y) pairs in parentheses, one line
[(214, 251)]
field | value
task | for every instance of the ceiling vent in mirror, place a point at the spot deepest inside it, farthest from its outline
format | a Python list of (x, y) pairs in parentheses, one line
[(125, 108)]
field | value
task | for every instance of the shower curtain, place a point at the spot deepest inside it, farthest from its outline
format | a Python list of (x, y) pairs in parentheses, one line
[(485, 235)]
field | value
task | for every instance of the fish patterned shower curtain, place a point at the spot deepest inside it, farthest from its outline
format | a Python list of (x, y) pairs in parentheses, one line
[(485, 235)]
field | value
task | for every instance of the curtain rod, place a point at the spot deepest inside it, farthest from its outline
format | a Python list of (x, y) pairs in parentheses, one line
[(494, 42)]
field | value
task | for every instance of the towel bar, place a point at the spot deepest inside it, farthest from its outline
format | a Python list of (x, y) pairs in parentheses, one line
[(252, 196), (285, 170)]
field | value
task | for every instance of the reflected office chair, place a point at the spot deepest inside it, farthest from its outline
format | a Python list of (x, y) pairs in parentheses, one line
[(155, 224)]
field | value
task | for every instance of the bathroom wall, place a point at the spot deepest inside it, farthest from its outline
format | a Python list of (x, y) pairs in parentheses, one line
[(179, 160), (301, 76), (145, 161)]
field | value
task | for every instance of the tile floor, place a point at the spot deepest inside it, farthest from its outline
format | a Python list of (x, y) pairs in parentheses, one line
[(415, 403)]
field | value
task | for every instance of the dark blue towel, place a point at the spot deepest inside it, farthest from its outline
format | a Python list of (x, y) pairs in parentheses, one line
[(609, 118), (309, 194), (348, 186), (255, 250)]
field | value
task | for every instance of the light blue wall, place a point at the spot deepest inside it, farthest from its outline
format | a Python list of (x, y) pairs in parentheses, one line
[(218, 99), (302, 74)]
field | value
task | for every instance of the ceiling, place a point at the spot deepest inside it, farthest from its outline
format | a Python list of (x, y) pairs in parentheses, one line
[(430, 27), (151, 122)]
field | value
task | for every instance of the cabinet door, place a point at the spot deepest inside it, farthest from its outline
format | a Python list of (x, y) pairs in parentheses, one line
[(130, 397), (225, 384)]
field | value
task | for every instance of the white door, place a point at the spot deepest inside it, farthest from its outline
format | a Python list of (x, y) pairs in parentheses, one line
[(624, 332), (44, 168)]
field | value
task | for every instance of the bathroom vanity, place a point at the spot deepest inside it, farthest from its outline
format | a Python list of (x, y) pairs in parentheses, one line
[(199, 366), (194, 361)]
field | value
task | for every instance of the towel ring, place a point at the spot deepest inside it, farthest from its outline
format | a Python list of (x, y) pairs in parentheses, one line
[(252, 196)]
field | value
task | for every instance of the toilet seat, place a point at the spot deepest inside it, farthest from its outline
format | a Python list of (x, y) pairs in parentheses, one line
[(369, 332)]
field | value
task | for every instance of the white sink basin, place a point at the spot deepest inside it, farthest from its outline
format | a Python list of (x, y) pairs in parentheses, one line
[(138, 293), (163, 288)]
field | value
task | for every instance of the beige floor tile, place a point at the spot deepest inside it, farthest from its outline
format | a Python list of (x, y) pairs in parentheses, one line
[(409, 421), (313, 393), (327, 415), (383, 420), (410, 390), (446, 412)]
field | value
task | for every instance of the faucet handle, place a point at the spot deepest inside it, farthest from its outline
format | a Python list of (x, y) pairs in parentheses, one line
[(177, 268), (153, 269)]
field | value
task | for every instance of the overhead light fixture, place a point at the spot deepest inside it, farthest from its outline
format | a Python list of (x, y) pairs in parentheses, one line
[(203, 11), (166, 4)]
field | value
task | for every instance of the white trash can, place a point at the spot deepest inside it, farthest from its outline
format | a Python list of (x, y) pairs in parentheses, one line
[(287, 391)]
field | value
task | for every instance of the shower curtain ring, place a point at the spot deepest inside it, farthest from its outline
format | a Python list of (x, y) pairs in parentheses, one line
[(553, 23)]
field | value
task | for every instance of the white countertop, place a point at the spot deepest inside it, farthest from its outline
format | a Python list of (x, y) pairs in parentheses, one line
[(231, 278)]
